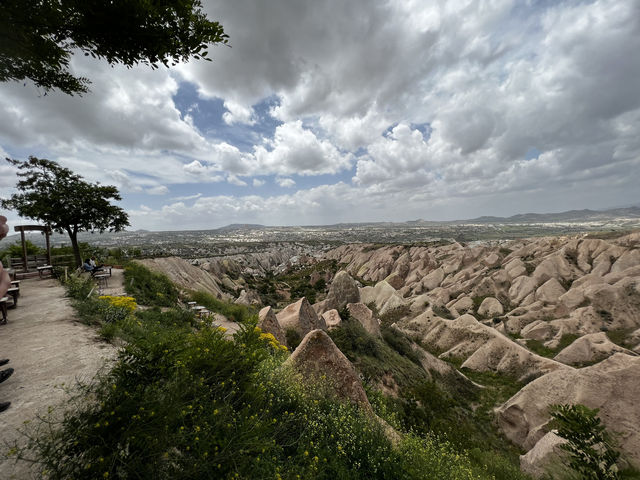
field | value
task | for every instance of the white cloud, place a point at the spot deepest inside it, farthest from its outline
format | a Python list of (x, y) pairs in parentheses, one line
[(238, 113), (258, 183), (157, 190), (285, 182), (295, 149), (232, 179), (184, 198)]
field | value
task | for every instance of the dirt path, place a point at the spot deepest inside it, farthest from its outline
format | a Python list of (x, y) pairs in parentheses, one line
[(47, 348)]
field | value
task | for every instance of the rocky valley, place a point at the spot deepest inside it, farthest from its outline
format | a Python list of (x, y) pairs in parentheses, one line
[(558, 317)]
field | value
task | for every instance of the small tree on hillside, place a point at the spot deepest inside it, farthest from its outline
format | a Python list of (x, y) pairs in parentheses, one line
[(589, 445), (64, 201)]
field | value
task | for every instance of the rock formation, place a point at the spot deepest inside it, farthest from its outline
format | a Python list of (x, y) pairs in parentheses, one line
[(343, 290), (268, 323), (317, 356), (185, 275), (332, 319), (590, 348), (364, 315), (248, 297), (301, 317)]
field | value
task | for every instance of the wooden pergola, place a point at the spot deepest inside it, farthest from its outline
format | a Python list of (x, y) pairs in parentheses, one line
[(33, 228)]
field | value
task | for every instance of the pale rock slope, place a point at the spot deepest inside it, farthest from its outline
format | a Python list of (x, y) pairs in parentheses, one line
[(540, 289), (185, 275), (590, 348), (481, 348)]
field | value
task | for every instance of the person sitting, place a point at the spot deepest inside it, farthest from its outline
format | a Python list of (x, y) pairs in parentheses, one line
[(92, 262), (87, 267)]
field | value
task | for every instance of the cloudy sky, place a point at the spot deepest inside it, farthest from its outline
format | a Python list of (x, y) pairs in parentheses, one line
[(358, 110)]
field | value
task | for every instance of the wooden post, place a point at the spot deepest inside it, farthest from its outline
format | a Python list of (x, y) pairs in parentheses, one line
[(24, 250), (46, 234)]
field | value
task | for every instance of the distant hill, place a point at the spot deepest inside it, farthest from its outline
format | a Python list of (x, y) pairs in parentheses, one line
[(239, 226), (568, 216)]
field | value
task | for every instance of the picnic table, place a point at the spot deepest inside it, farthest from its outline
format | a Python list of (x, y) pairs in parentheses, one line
[(44, 269)]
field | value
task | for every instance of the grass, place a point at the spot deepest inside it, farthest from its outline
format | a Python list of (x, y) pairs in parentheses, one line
[(536, 346), (392, 316), (620, 337), (149, 288), (235, 312)]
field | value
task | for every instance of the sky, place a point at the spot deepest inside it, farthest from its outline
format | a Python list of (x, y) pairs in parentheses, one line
[(357, 110)]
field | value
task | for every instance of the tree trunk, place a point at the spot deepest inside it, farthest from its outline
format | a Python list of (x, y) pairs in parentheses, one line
[(73, 235)]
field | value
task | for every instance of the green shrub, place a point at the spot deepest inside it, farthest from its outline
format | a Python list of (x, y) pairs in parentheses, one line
[(293, 338), (392, 316), (79, 287), (149, 288), (442, 311), (589, 445), (15, 250)]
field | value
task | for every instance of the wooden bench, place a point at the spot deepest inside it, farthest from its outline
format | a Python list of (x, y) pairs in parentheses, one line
[(44, 269), (104, 270), (3, 309), (15, 293)]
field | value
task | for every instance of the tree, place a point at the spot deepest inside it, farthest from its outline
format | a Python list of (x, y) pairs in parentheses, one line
[(588, 443), (38, 37), (64, 201)]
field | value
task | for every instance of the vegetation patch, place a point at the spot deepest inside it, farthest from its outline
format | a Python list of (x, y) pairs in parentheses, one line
[(233, 311), (149, 288), (529, 267), (442, 311), (392, 316), (620, 337), (536, 346), (293, 338)]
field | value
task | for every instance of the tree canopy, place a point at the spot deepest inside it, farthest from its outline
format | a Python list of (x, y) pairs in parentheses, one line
[(63, 200), (38, 37)]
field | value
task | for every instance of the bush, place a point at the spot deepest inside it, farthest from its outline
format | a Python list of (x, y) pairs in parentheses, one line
[(79, 287), (590, 449), (149, 288), (114, 309), (293, 338)]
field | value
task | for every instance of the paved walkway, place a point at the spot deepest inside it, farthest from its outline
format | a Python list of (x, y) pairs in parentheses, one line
[(47, 347)]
